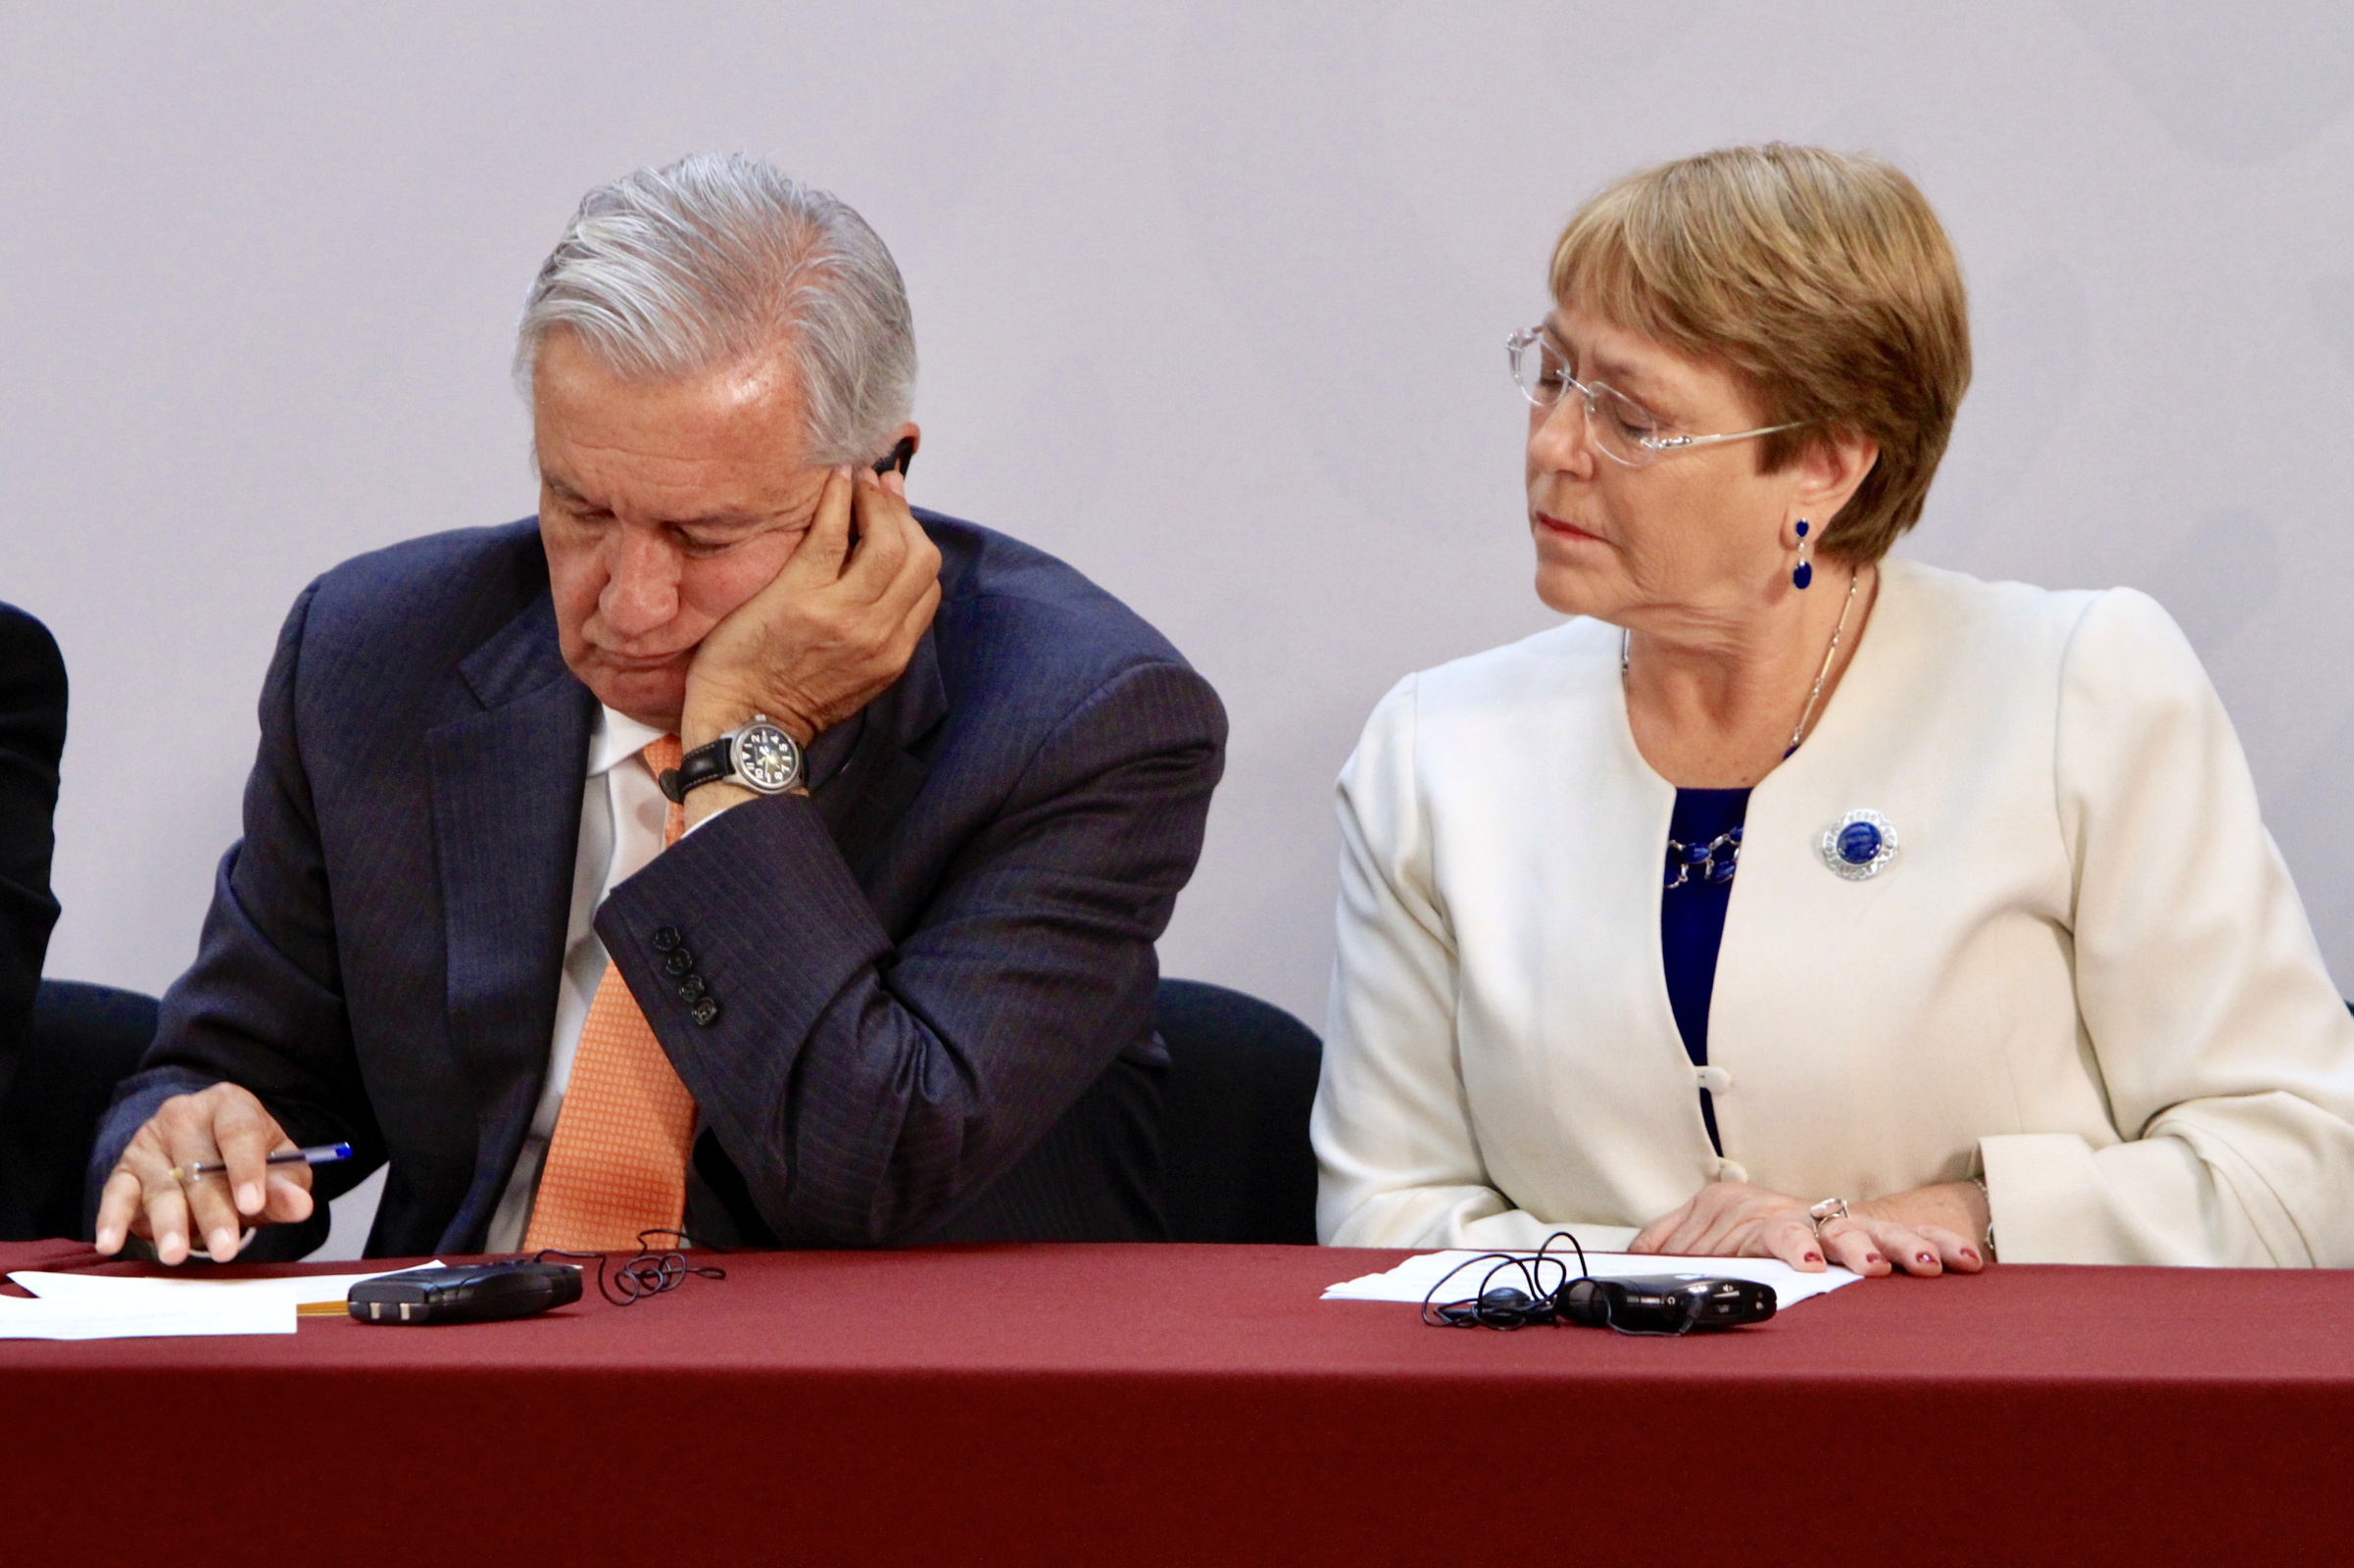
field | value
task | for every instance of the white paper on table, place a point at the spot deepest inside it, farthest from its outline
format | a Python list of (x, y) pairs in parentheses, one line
[(110, 1306), (147, 1314), (1411, 1280)]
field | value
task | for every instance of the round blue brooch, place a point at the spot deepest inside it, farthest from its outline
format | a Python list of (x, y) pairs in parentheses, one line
[(1860, 845)]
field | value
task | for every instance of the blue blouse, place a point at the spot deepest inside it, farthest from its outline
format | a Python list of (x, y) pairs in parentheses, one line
[(1692, 917)]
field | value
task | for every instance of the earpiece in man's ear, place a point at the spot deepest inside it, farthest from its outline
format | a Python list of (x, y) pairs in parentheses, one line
[(898, 456)]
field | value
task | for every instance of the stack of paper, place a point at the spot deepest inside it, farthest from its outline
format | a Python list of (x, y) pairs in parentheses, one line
[(1411, 1280), (110, 1306)]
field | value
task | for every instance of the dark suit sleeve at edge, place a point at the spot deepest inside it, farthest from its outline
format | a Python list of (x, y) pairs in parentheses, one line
[(32, 737), (263, 1005), (868, 1092)]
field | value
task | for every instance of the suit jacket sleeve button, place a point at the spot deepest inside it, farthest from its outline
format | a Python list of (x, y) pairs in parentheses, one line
[(666, 937), (705, 1012), (680, 961)]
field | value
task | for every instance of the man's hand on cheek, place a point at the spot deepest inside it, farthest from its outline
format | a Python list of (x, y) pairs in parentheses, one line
[(836, 627)]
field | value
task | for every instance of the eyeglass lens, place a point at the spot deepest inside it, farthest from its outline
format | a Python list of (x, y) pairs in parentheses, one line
[(1621, 426)]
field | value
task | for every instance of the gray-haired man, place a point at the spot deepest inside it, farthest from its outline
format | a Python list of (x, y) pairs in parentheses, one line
[(938, 795)]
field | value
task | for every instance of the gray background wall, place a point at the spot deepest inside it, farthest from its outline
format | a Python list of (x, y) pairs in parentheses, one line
[(1211, 300)]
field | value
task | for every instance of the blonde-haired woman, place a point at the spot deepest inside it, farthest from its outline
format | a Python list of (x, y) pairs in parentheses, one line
[(1792, 899)]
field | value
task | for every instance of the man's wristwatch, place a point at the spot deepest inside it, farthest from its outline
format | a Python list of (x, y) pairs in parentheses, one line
[(759, 756)]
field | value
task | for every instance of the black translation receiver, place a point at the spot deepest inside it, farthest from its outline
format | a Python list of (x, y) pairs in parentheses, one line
[(1665, 1304), (475, 1292)]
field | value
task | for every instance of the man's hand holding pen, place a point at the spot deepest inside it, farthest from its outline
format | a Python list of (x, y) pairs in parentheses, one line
[(208, 1163)]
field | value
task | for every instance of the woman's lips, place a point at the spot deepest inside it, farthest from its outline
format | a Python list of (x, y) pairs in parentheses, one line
[(1567, 530)]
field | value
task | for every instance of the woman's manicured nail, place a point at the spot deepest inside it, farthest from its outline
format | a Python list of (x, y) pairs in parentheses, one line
[(1925, 1257), (1968, 1255), (1871, 1257), (1814, 1257)]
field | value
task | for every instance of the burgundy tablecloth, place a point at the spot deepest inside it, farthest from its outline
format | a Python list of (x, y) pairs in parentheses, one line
[(1196, 1404)]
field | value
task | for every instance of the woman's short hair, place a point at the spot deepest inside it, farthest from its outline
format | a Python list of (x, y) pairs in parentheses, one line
[(1822, 278)]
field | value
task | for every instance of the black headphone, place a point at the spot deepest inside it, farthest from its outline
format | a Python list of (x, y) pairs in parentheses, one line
[(652, 1272), (1533, 1299), (1541, 1298)]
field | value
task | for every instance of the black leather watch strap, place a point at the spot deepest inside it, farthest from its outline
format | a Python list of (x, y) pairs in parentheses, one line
[(704, 764)]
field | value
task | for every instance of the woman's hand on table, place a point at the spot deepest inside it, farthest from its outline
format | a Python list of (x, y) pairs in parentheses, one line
[(1926, 1231)]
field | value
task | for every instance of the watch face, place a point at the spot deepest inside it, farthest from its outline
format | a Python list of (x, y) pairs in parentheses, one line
[(766, 757)]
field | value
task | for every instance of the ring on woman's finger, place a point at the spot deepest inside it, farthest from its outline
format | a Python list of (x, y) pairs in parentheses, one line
[(1823, 1212)]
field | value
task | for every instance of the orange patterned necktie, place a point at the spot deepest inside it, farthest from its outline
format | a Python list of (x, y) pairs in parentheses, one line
[(618, 1164)]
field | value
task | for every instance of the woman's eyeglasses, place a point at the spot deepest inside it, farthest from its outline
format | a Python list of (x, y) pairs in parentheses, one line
[(1623, 429)]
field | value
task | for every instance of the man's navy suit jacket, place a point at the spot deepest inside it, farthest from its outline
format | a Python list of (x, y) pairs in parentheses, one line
[(934, 975)]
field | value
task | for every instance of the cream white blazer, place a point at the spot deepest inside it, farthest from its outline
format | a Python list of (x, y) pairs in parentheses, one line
[(2086, 974)]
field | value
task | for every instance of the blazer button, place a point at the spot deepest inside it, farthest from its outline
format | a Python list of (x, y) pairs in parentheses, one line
[(692, 988), (705, 1012), (666, 937), (1716, 1080), (680, 961), (1729, 1171)]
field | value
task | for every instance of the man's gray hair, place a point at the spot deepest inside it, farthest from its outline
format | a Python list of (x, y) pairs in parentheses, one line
[(709, 261)]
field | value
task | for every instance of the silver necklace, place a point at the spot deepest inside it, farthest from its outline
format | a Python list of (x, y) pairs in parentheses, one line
[(1626, 650), (1715, 863), (1815, 695)]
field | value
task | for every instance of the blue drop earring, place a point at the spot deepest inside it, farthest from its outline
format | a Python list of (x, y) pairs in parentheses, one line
[(1804, 573)]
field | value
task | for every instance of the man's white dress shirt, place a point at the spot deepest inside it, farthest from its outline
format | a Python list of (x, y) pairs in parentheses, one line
[(621, 816)]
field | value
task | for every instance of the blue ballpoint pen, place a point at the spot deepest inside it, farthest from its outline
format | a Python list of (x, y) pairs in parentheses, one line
[(315, 1154)]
